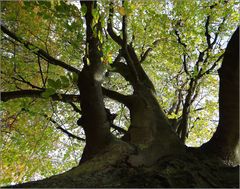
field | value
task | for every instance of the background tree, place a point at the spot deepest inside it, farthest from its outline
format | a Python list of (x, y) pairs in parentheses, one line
[(118, 81)]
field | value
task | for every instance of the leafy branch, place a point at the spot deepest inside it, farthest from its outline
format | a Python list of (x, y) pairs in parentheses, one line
[(38, 51)]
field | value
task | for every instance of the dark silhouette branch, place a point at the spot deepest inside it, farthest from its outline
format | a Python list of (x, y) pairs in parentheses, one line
[(179, 39), (112, 34), (184, 46), (212, 67), (185, 65), (218, 31), (208, 37), (26, 82), (150, 49), (75, 108), (121, 68), (119, 129), (59, 127), (116, 96), (5, 96), (41, 72), (129, 55), (183, 126)]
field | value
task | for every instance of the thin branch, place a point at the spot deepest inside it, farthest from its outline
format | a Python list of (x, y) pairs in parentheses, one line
[(179, 39), (208, 37), (38, 51), (75, 108), (150, 49), (26, 82), (219, 29), (40, 70), (212, 67), (119, 129), (185, 65), (64, 130), (112, 34), (184, 56)]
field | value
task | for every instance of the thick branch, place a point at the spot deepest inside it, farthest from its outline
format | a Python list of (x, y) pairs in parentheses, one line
[(112, 34), (122, 68), (116, 96), (129, 55), (5, 96)]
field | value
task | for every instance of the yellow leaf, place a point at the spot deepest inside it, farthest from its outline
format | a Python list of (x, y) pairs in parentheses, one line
[(21, 3), (36, 9), (121, 11)]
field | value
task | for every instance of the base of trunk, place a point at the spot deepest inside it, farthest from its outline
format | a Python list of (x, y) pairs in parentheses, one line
[(111, 169)]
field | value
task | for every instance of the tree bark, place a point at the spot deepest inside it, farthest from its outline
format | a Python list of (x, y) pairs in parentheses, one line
[(150, 130), (187, 171), (225, 141), (94, 118)]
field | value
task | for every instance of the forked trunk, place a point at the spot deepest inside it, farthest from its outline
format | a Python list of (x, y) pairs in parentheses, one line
[(150, 129)]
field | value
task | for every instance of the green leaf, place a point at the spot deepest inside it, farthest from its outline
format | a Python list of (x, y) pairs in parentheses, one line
[(64, 81), (195, 72), (75, 77), (83, 9), (95, 14), (48, 92), (52, 83)]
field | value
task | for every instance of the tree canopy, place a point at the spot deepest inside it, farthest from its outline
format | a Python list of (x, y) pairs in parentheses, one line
[(69, 66)]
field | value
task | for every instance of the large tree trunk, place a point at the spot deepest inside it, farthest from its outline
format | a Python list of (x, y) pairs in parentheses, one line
[(94, 118), (225, 141)]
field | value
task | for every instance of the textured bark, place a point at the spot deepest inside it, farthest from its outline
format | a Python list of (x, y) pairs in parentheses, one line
[(225, 141), (94, 118), (150, 130), (112, 170)]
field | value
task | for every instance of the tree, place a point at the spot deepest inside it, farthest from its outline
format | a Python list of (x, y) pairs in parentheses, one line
[(126, 80)]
